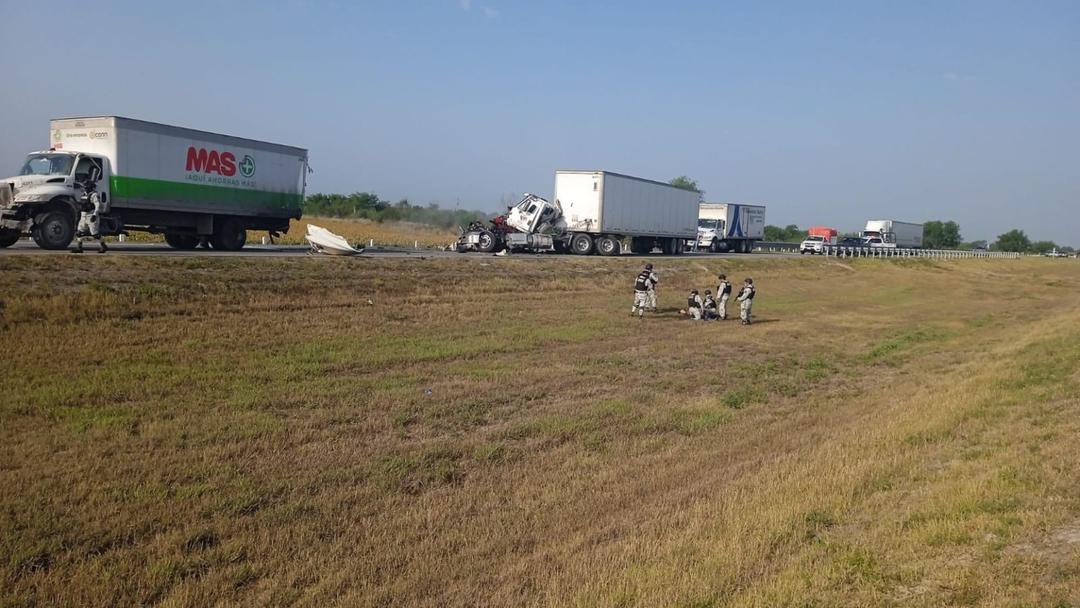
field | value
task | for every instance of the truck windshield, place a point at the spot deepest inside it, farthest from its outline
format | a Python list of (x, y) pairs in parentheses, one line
[(707, 224), (47, 164)]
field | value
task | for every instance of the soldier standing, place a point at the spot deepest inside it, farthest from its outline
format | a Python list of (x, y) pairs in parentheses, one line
[(746, 300), (91, 207), (642, 284), (653, 280), (723, 292)]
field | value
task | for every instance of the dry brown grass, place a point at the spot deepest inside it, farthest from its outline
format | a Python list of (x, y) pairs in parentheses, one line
[(397, 234), (250, 432), (357, 231)]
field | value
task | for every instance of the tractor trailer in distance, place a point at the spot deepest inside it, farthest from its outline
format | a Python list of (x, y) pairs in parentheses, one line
[(593, 212), (893, 233), (730, 227), (191, 186)]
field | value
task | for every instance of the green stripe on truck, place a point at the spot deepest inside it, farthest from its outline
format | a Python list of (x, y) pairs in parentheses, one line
[(202, 194)]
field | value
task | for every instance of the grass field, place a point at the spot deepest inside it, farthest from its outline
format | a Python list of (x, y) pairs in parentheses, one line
[(218, 431)]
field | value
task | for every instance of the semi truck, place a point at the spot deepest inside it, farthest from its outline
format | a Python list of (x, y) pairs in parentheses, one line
[(592, 212), (893, 233), (730, 227), (191, 186)]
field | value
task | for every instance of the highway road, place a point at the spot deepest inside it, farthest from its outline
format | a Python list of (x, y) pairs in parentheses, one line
[(26, 247)]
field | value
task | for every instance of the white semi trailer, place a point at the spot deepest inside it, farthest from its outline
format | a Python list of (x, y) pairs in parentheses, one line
[(893, 233), (730, 227), (192, 186), (594, 211)]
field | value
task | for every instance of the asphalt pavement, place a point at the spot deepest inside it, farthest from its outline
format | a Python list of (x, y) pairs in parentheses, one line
[(27, 247)]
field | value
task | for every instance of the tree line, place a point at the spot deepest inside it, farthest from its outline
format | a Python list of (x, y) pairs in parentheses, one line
[(367, 205)]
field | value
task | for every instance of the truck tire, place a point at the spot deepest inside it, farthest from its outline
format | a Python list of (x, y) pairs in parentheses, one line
[(608, 245), (487, 242), (53, 229), (714, 246), (680, 246), (640, 245), (180, 240), (229, 235), (9, 238), (581, 244)]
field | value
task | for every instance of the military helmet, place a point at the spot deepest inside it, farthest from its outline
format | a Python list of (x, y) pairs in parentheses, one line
[(648, 266)]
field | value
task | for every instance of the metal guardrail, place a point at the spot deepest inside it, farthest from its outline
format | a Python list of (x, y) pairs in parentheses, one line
[(776, 246), (891, 252)]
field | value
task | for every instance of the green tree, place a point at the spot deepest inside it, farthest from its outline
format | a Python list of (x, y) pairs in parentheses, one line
[(685, 183), (1013, 240), (1042, 246), (788, 234), (941, 235), (367, 205), (774, 233)]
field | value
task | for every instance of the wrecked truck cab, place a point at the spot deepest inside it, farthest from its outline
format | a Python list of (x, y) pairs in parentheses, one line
[(43, 198)]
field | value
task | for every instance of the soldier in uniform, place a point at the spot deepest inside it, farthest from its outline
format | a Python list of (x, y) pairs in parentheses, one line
[(653, 280), (746, 300), (694, 305), (708, 307), (642, 284), (723, 292), (90, 219)]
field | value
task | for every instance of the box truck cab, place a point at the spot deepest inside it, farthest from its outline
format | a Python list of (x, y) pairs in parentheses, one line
[(191, 186), (730, 226), (49, 186)]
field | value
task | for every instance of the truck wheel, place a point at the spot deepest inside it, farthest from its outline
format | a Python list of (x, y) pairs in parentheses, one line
[(680, 246), (487, 242), (607, 245), (229, 235), (9, 238), (581, 244), (53, 230), (179, 240), (714, 246)]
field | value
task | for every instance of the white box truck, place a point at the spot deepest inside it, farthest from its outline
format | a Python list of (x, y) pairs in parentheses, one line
[(893, 233), (192, 186), (730, 227), (593, 211)]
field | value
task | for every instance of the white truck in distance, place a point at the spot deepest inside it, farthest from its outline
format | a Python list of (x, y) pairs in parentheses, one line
[(730, 227), (593, 211), (192, 186), (893, 233)]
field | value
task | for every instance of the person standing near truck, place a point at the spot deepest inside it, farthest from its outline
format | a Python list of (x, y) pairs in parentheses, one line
[(723, 292), (746, 300), (653, 280), (90, 219), (645, 278)]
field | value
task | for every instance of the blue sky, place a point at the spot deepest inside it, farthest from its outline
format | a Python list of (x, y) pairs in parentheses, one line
[(828, 112)]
